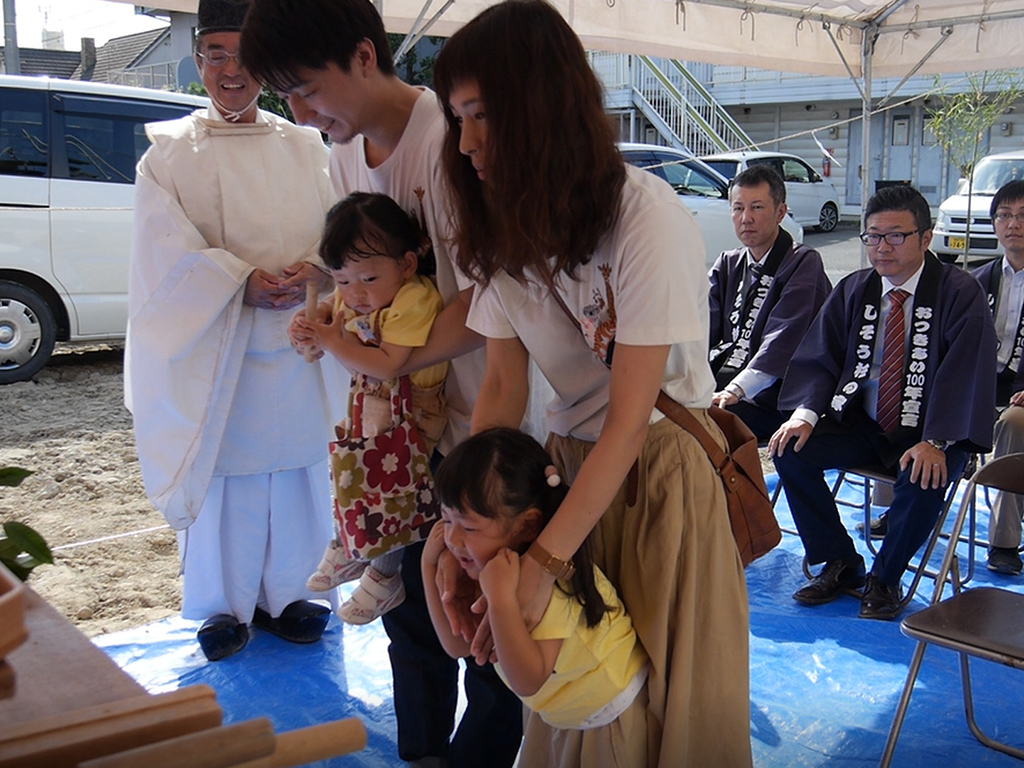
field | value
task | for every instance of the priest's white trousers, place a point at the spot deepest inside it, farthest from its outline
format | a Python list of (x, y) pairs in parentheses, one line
[(255, 542)]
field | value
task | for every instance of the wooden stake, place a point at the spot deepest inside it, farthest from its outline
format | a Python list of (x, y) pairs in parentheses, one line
[(311, 300), (212, 748), (317, 742)]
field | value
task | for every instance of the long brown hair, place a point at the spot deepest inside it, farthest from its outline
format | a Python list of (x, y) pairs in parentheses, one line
[(554, 174)]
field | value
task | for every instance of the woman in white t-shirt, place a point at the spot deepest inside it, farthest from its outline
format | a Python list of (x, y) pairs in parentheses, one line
[(552, 224)]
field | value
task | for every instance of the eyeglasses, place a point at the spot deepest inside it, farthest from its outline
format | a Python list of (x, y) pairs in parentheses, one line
[(219, 58), (1005, 217), (892, 238)]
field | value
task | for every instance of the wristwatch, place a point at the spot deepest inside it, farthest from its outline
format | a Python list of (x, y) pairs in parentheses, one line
[(942, 445), (560, 569)]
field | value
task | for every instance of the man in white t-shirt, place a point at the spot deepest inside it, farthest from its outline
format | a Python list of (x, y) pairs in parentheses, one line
[(332, 61)]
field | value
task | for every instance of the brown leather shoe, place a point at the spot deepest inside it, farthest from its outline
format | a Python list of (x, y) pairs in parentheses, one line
[(835, 578), (880, 601)]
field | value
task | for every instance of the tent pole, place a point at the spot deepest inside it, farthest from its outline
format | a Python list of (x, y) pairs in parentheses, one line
[(12, 55), (867, 47), (946, 32), (418, 28)]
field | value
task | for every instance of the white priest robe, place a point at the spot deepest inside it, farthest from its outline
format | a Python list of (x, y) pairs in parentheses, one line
[(230, 423)]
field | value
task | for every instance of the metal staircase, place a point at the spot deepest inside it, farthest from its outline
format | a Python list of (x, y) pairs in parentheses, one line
[(673, 101)]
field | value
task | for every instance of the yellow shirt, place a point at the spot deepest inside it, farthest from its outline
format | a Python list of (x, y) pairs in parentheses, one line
[(594, 664), (405, 323)]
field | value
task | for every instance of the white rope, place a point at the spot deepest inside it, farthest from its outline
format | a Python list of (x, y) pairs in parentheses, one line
[(110, 538)]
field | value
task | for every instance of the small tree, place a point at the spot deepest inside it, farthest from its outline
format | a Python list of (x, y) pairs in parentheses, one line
[(961, 121), (417, 65)]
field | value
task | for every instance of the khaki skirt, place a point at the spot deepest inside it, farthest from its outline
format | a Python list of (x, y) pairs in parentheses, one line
[(673, 559)]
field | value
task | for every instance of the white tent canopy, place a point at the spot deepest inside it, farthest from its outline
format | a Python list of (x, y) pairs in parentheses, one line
[(825, 37), (861, 39)]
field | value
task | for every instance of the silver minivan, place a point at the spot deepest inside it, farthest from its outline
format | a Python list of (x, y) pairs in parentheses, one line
[(950, 233), (68, 151)]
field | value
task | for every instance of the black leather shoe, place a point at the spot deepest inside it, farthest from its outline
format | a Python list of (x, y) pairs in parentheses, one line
[(300, 622), (880, 601), (835, 578), (879, 527), (221, 636)]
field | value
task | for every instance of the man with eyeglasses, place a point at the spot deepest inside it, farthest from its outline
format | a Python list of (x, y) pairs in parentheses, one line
[(897, 369), (1003, 281), (231, 425)]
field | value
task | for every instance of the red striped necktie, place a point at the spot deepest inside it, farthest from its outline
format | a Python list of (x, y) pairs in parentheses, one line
[(890, 382)]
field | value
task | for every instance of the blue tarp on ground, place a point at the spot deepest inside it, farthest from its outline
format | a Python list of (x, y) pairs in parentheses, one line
[(823, 683)]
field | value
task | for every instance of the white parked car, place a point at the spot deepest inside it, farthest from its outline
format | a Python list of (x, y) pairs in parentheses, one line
[(702, 189), (812, 200), (68, 151), (950, 231)]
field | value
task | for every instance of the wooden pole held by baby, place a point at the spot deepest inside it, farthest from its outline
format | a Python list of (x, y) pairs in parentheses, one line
[(311, 298)]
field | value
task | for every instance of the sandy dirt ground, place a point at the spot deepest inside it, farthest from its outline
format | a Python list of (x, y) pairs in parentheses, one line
[(116, 561)]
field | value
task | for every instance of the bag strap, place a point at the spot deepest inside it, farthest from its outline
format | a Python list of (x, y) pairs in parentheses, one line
[(682, 416), (401, 399), (670, 408), (401, 403)]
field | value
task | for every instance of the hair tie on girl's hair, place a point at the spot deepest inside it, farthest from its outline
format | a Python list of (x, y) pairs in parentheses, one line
[(552, 474)]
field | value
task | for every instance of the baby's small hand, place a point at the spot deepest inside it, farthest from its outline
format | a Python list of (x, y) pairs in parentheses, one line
[(299, 335)]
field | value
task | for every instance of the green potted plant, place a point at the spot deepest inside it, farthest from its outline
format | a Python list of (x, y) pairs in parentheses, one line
[(21, 547)]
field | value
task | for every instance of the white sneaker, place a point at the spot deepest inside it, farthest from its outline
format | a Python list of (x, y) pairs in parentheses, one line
[(335, 568), (376, 595)]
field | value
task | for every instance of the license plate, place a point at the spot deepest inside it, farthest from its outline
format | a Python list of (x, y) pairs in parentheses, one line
[(956, 242)]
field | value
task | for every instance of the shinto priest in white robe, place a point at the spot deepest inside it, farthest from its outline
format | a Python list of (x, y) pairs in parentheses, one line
[(231, 424)]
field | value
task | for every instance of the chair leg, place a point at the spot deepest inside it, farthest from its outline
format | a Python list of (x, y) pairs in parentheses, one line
[(901, 707), (972, 540), (921, 568), (965, 677), (776, 492)]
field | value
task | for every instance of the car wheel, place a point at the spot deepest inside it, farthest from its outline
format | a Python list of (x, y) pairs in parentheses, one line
[(828, 218), (27, 332)]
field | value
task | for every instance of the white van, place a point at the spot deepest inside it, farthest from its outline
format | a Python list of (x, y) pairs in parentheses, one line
[(950, 231), (68, 151)]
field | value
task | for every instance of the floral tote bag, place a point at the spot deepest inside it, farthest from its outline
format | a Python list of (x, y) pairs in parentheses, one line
[(382, 489)]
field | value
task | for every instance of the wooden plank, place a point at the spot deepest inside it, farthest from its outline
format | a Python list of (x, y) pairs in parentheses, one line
[(59, 669), (12, 612), (213, 748), (62, 741), (108, 712), (7, 686)]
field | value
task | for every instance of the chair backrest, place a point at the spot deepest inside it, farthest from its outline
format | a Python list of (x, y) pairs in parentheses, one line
[(1005, 473)]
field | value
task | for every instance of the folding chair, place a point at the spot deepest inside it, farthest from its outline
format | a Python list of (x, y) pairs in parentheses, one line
[(864, 477), (776, 492), (985, 622)]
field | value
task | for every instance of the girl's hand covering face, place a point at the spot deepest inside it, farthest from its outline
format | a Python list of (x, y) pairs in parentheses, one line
[(434, 546), (458, 594), (500, 577)]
